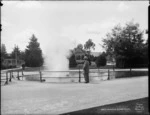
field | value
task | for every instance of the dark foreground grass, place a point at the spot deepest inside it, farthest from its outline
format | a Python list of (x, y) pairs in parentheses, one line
[(133, 107)]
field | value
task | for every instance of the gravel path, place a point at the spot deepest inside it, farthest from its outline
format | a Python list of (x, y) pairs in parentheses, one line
[(27, 97)]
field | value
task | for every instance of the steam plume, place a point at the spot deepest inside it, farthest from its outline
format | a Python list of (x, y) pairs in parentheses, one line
[(57, 51)]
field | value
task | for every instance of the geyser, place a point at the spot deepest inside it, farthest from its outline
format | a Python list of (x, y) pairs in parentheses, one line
[(57, 52)]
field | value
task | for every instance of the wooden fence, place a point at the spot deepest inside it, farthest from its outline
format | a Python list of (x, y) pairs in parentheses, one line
[(42, 75), (7, 75)]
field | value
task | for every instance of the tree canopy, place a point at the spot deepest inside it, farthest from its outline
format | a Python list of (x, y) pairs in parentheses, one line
[(125, 44), (89, 45), (15, 53), (3, 52), (33, 53), (101, 60)]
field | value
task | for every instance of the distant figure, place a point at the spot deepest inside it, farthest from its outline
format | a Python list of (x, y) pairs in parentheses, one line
[(23, 66), (86, 69)]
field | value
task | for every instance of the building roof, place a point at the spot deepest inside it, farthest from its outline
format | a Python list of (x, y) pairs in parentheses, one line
[(78, 50), (95, 54)]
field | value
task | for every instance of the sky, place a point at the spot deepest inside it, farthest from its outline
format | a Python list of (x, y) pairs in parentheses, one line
[(74, 21)]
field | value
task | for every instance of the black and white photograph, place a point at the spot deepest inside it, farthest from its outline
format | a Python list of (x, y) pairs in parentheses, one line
[(61, 57)]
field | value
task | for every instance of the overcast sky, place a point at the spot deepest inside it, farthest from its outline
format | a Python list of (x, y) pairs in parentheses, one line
[(76, 20)]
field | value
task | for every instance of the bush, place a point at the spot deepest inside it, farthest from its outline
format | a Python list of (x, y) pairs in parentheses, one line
[(101, 60), (134, 62), (72, 61)]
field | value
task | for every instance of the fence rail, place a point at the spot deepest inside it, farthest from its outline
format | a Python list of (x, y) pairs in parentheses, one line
[(78, 74), (74, 74), (7, 75), (42, 74)]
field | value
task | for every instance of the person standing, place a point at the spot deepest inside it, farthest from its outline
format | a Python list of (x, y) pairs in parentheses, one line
[(86, 69)]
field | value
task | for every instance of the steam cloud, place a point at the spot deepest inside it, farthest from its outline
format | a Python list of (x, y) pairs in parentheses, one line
[(57, 51)]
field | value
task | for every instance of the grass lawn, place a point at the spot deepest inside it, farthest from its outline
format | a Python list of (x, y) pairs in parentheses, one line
[(138, 106)]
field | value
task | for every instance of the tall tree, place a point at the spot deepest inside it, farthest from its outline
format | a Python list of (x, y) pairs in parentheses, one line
[(33, 53), (3, 53), (125, 44), (15, 53), (22, 55), (112, 39)]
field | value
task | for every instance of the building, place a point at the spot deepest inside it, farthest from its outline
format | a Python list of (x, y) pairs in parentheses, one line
[(79, 55), (8, 63)]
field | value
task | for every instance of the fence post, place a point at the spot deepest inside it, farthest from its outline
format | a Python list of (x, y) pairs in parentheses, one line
[(108, 75), (12, 74), (40, 75), (113, 66), (10, 77), (79, 76), (6, 78), (18, 75), (22, 74)]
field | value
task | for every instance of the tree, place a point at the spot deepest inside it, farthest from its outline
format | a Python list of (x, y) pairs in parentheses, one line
[(22, 55), (33, 53), (101, 60), (125, 44), (3, 51), (145, 53), (3, 54), (92, 58), (89, 45), (15, 53)]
